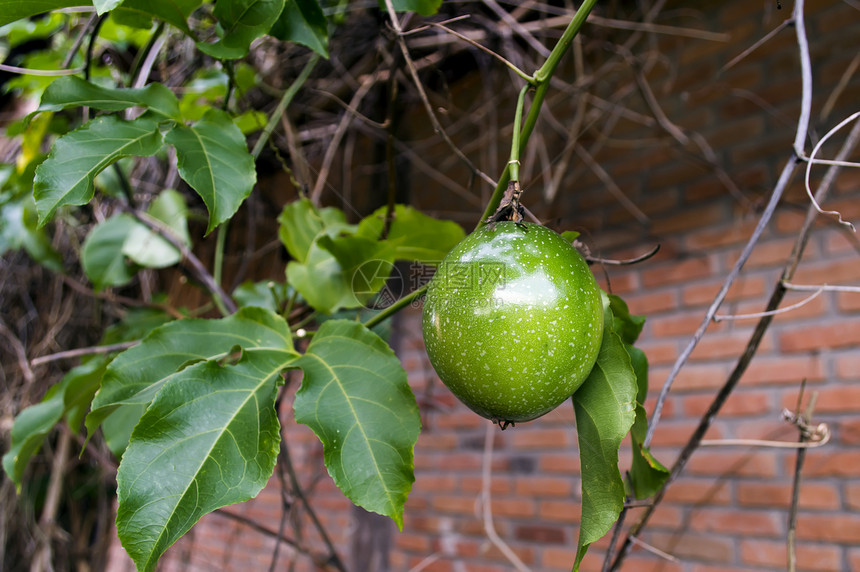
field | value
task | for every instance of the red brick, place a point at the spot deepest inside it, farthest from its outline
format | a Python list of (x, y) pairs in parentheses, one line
[(740, 403), (535, 487), (498, 484), (848, 301), (672, 432), (692, 546), (756, 463), (566, 463), (687, 219), (533, 439), (412, 542), (852, 496), (744, 288), (699, 492), (837, 334), (652, 303), (729, 344), (744, 522), (844, 399), (849, 431), (783, 369), (829, 463), (813, 496), (838, 528), (854, 559), (459, 504), (692, 377), (830, 272), (709, 238), (513, 507), (848, 366), (558, 510), (558, 558), (773, 555), (541, 534), (677, 272)]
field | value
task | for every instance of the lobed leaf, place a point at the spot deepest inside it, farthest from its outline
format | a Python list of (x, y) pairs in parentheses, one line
[(149, 249), (136, 375), (101, 255), (242, 22), (11, 10), (67, 176), (355, 396), (605, 411), (213, 159), (72, 91), (412, 234), (209, 439), (300, 223), (303, 22)]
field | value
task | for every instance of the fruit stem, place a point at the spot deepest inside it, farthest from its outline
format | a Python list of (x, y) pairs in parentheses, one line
[(395, 307), (541, 83), (514, 163)]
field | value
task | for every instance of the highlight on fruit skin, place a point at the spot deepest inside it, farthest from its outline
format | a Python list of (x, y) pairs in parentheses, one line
[(513, 321)]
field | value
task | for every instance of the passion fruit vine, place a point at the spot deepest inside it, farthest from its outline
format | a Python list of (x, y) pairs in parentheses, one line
[(513, 321)]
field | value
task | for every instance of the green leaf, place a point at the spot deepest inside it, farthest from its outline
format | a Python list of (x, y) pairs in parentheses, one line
[(303, 22), (70, 398), (625, 324), (11, 10), (241, 22), (19, 228), (605, 412), (647, 474), (29, 431), (300, 223), (213, 159), (355, 396), (423, 7), (413, 235), (105, 6), (136, 375), (173, 12), (209, 439), (570, 235), (72, 91), (101, 255), (266, 294), (365, 264), (145, 247), (66, 176)]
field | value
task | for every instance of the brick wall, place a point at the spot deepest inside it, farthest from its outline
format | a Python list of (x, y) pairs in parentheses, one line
[(728, 511)]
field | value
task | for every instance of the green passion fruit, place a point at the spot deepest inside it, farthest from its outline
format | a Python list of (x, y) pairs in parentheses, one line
[(513, 321)]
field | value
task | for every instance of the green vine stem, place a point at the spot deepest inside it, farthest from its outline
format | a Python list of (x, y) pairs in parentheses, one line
[(541, 79), (514, 163)]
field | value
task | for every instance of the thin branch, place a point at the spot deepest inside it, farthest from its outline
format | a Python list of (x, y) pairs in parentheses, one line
[(836, 214), (754, 342), (756, 45), (20, 352), (806, 77), (93, 350), (225, 304), (486, 504), (517, 27), (486, 50), (625, 262), (654, 550), (805, 301), (823, 287), (43, 73), (413, 72)]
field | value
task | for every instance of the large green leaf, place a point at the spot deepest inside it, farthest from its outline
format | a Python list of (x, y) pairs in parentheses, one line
[(304, 22), (241, 22), (300, 223), (173, 12), (213, 158), (11, 10), (137, 374), (149, 249), (209, 439), (66, 176), (72, 91), (412, 234), (29, 431), (605, 410), (355, 396), (101, 256)]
